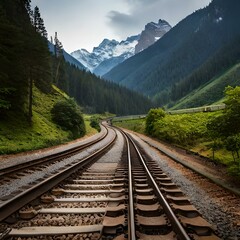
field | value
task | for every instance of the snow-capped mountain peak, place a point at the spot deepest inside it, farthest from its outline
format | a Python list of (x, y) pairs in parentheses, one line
[(82, 55), (110, 53), (106, 50), (126, 47)]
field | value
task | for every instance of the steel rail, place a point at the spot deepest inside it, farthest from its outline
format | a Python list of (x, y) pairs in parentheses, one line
[(17, 202), (52, 157), (131, 219), (177, 227)]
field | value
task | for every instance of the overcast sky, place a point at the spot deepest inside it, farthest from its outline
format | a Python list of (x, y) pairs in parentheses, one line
[(85, 23)]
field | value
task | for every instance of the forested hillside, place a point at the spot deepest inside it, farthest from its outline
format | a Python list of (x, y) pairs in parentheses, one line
[(98, 96), (212, 91), (24, 56), (198, 48), (26, 62)]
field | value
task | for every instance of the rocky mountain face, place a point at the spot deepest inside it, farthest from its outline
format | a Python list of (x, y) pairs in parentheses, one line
[(152, 33), (110, 53), (107, 55)]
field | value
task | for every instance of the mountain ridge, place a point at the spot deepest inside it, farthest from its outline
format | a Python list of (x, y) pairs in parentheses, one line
[(180, 53), (110, 53)]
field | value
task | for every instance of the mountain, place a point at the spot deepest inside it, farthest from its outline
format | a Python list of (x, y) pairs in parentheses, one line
[(67, 57), (152, 32), (122, 51), (212, 91), (194, 51), (107, 55), (110, 53)]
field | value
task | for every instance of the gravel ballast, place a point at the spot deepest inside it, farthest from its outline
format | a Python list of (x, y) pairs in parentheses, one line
[(214, 213)]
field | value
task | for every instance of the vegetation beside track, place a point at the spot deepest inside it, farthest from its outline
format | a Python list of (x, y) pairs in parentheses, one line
[(201, 146), (215, 135), (17, 135)]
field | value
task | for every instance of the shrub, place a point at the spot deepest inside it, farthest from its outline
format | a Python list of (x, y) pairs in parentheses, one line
[(94, 123), (68, 116), (184, 129), (152, 117), (232, 144)]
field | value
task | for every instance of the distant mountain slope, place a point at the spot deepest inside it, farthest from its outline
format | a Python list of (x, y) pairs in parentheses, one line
[(67, 57), (182, 51), (212, 91), (107, 50), (110, 53)]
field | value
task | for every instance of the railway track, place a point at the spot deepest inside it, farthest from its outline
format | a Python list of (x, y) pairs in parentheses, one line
[(50, 158), (161, 209), (131, 198), (18, 187)]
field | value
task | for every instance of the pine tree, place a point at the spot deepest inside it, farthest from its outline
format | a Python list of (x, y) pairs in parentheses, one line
[(27, 4), (58, 47), (38, 23), (58, 53), (24, 56)]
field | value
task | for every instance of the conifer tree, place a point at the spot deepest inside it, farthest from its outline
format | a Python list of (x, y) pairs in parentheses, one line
[(38, 23), (24, 56), (58, 53), (58, 47), (27, 4)]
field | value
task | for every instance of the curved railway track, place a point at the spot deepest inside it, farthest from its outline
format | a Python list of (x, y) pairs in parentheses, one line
[(128, 199), (44, 177), (51, 158)]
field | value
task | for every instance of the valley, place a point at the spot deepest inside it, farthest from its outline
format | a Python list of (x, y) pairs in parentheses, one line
[(122, 122)]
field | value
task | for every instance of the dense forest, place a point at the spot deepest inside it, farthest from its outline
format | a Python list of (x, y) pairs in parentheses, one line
[(26, 62), (97, 95), (201, 46), (24, 56)]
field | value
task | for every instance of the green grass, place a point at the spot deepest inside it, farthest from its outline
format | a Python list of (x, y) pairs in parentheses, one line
[(136, 125), (16, 135), (178, 126), (90, 131), (222, 155)]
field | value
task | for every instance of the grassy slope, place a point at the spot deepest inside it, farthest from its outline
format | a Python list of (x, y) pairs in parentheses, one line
[(213, 91), (210, 93), (16, 135), (202, 148)]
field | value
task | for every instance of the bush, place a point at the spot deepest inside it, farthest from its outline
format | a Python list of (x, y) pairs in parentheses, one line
[(232, 144), (94, 123), (68, 116), (152, 117), (184, 129)]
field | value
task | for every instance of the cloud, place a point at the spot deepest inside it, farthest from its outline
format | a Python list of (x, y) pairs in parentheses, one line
[(123, 24), (140, 2), (143, 11)]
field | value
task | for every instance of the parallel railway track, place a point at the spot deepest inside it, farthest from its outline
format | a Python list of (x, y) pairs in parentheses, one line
[(15, 200), (161, 209), (128, 199), (51, 158)]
